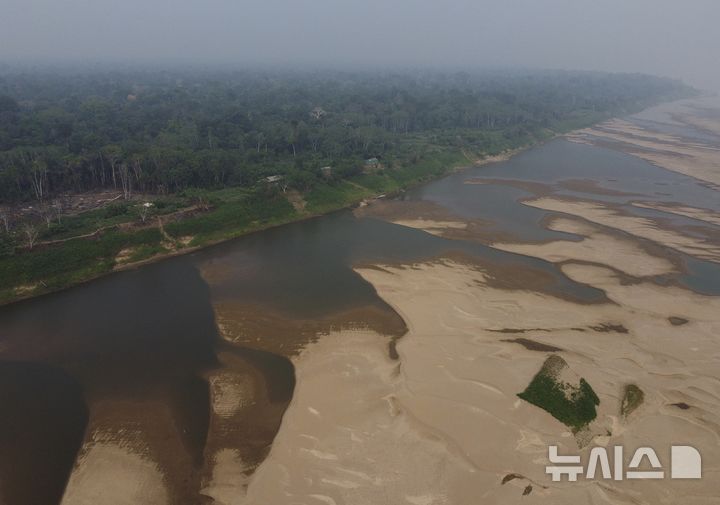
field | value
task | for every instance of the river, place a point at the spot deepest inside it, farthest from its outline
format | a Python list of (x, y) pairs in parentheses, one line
[(128, 358)]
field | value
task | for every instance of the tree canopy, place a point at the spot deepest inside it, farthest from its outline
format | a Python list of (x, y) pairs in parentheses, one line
[(165, 131)]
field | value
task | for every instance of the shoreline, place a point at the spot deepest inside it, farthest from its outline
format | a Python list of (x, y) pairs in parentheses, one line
[(207, 245), (452, 396), (28, 291)]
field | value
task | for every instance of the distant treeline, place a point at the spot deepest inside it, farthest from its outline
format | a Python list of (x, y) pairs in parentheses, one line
[(162, 131)]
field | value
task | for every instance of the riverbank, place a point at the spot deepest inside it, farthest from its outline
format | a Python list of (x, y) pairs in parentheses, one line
[(56, 266), (106, 244)]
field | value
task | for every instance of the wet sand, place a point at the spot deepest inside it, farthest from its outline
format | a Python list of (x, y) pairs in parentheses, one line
[(706, 215), (650, 229), (444, 425), (695, 158)]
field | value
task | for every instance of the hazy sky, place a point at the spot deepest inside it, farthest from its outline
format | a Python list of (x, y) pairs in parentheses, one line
[(678, 38)]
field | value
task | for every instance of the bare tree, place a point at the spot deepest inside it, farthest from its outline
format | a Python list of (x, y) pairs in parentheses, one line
[(38, 174), (62, 205), (137, 171), (113, 153), (144, 211), (49, 212), (5, 219), (203, 203), (31, 235), (125, 181)]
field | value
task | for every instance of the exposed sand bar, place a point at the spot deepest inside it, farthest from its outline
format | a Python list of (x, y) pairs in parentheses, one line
[(633, 260), (438, 228), (702, 123), (622, 131), (445, 426), (605, 215), (110, 472), (700, 160), (683, 210)]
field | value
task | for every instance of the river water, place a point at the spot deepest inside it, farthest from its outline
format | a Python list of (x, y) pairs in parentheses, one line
[(111, 353)]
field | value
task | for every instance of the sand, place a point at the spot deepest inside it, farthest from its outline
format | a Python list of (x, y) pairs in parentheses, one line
[(444, 424), (632, 259), (438, 228), (706, 215), (110, 473), (707, 124), (694, 158), (606, 215)]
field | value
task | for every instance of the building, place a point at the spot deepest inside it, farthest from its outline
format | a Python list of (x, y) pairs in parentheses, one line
[(372, 165), (272, 179)]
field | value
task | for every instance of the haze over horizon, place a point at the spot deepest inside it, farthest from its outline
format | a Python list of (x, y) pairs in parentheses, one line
[(662, 37)]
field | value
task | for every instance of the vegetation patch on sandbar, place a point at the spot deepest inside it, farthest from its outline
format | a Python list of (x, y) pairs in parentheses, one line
[(573, 404), (633, 397)]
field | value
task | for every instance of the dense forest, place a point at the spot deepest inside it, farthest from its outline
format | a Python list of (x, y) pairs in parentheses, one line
[(101, 170), (164, 131)]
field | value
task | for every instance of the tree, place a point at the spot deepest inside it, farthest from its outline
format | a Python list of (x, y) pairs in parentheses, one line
[(38, 173), (5, 219), (113, 153), (7, 247), (8, 104), (144, 210), (125, 180), (83, 134), (30, 232), (47, 212)]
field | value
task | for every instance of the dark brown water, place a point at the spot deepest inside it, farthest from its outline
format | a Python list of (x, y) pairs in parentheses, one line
[(42, 421), (135, 348)]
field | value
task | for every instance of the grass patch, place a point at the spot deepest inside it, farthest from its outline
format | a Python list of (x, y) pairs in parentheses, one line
[(146, 251), (237, 215), (328, 197), (573, 405), (63, 265), (633, 397)]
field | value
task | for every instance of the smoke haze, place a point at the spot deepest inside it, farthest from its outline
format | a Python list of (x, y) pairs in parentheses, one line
[(665, 37)]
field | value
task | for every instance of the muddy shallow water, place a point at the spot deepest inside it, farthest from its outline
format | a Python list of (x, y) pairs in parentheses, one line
[(130, 358)]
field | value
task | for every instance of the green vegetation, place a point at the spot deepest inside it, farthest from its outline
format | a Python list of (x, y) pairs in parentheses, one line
[(232, 212), (163, 132), (184, 157), (633, 397), (573, 405), (55, 267), (234, 216)]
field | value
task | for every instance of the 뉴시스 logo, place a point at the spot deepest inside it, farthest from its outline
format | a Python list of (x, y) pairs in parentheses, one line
[(685, 463)]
